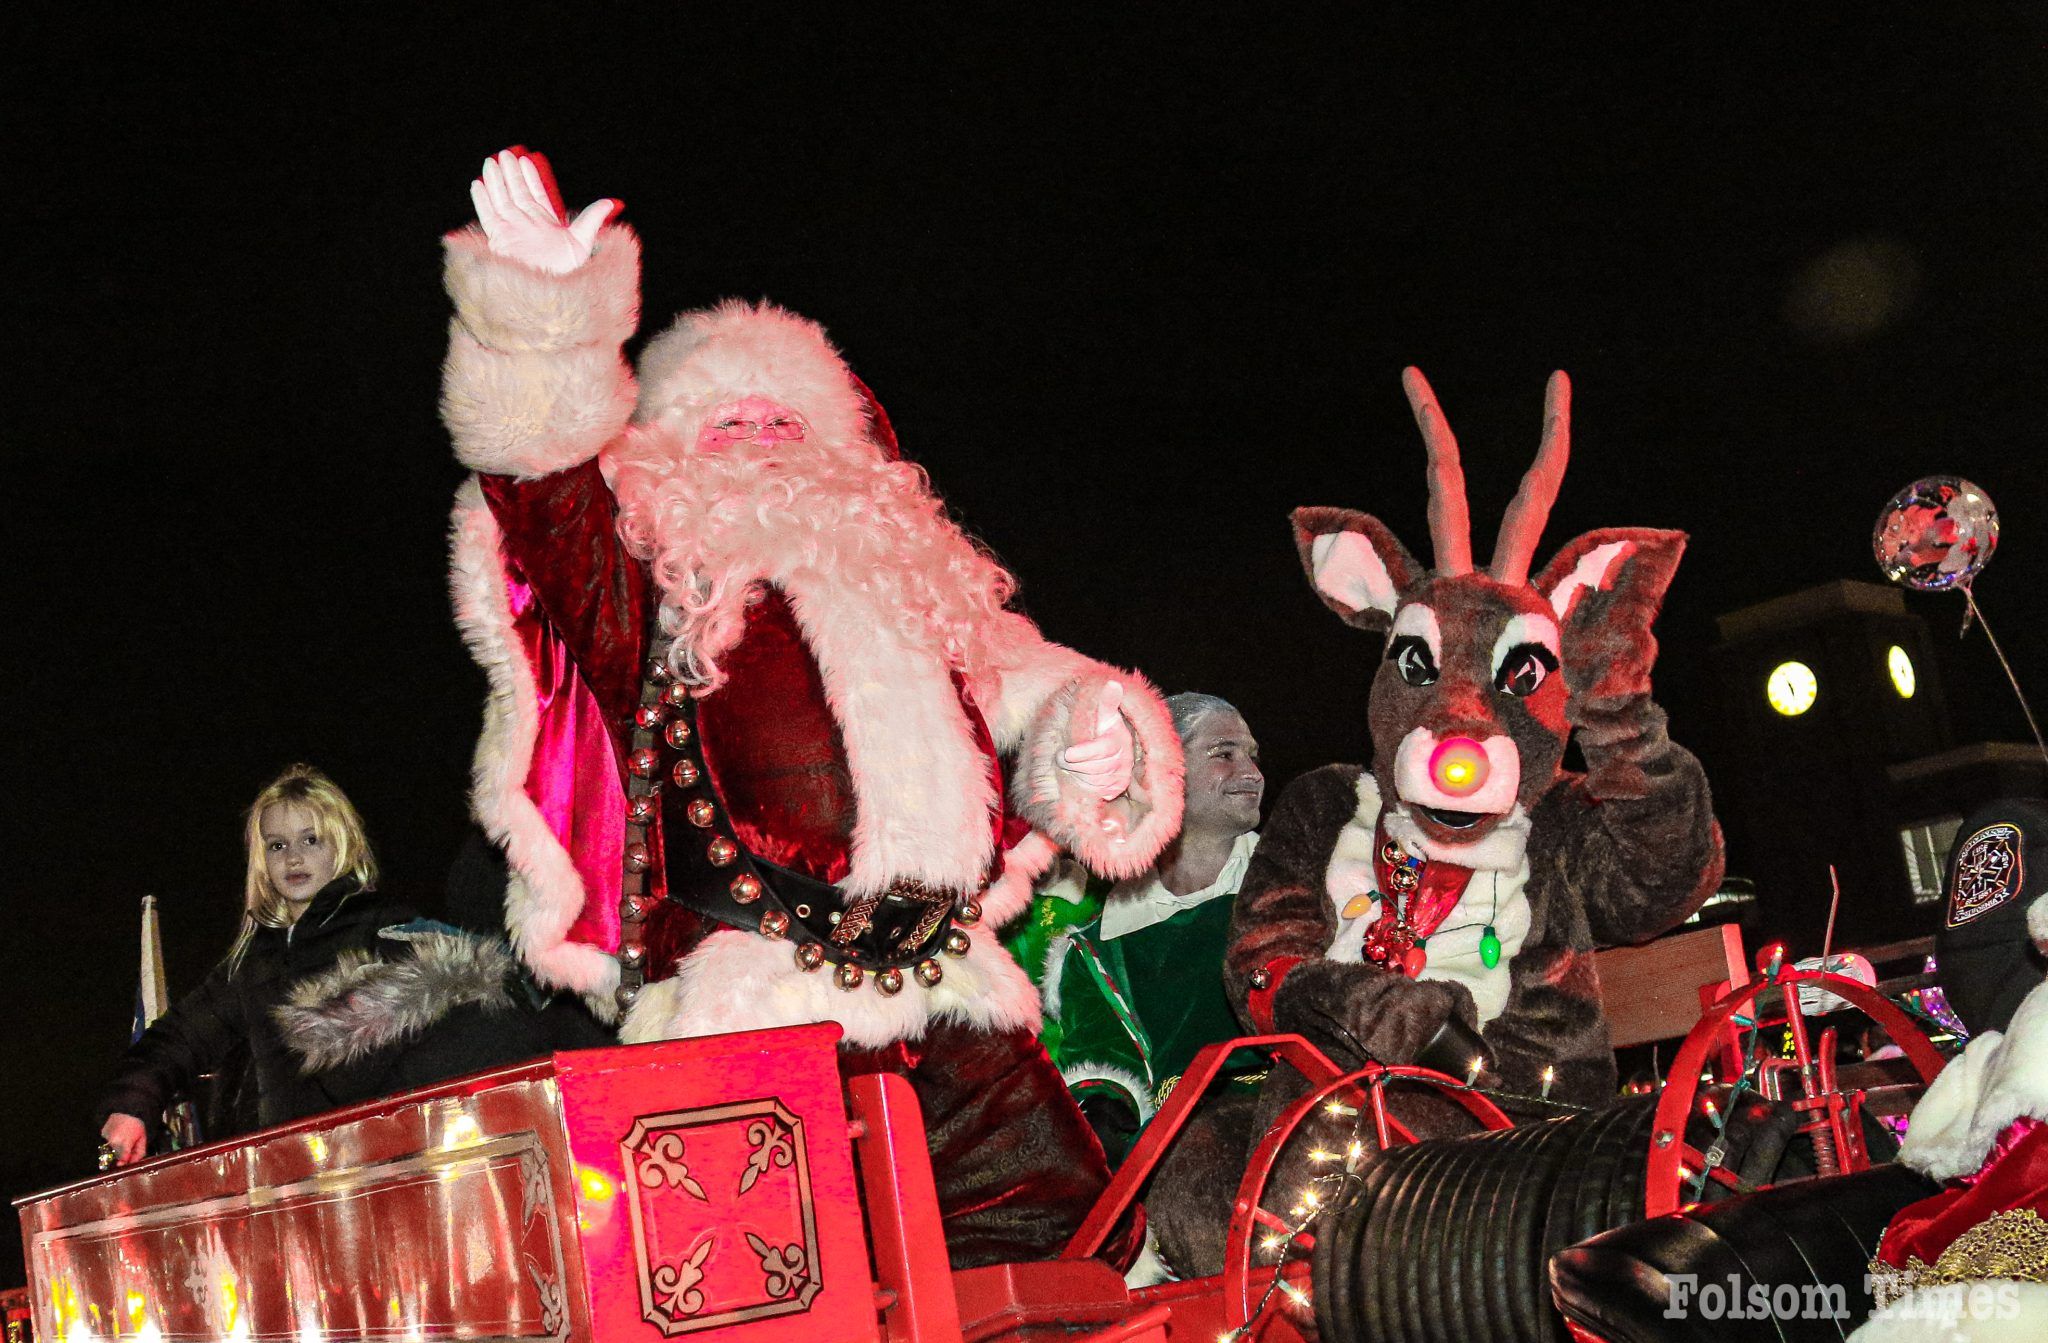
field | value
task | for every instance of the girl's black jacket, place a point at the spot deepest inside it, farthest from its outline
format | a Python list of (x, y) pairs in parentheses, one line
[(358, 999)]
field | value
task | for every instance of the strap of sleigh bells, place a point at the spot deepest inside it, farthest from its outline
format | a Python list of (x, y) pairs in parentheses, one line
[(874, 938)]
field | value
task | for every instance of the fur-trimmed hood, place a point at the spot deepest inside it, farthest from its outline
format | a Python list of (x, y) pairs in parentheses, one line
[(367, 1003), (738, 349)]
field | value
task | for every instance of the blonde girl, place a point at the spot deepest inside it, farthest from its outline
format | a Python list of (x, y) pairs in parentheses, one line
[(308, 899)]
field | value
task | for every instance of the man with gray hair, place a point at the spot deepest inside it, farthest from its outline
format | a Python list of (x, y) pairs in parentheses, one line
[(1130, 972)]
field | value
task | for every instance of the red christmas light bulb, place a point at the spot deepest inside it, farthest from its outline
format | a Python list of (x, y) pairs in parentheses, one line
[(1458, 766)]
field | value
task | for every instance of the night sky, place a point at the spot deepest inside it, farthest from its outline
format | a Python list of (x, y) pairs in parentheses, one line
[(1132, 282)]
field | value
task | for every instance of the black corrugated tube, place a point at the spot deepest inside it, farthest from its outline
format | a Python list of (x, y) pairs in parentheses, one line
[(1450, 1240)]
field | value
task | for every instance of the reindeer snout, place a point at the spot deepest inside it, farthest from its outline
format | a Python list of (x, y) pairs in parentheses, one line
[(1458, 773), (1458, 766)]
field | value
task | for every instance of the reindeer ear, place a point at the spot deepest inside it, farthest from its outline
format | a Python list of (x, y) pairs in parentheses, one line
[(1606, 588), (1354, 563)]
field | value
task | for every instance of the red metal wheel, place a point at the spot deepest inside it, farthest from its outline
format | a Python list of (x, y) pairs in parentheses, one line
[(1247, 1212), (1832, 1118)]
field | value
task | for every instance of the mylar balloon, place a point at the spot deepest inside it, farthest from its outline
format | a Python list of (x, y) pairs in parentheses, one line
[(1935, 534)]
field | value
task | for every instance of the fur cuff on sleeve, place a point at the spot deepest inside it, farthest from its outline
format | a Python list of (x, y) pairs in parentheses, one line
[(1009, 893), (1119, 838), (534, 380), (1938, 1135), (515, 308), (364, 1004), (1998, 1079)]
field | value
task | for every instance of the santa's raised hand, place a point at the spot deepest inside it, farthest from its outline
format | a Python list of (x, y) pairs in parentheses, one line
[(1098, 753), (523, 220)]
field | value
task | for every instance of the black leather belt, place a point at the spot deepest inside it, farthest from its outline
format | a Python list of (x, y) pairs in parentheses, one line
[(903, 928)]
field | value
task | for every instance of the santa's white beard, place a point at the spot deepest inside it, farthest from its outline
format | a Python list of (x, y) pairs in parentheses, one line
[(712, 525)]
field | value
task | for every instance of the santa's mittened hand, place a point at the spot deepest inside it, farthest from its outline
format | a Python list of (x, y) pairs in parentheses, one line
[(1100, 754), (523, 221)]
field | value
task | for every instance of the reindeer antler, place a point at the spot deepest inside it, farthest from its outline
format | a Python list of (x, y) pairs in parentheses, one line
[(1450, 521), (1522, 526)]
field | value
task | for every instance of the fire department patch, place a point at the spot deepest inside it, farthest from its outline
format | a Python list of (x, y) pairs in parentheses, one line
[(1989, 872)]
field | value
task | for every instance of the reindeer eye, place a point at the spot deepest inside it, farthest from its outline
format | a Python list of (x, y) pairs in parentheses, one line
[(1525, 668), (1410, 656)]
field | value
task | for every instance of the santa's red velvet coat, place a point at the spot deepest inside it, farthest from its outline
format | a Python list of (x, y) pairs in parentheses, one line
[(841, 745)]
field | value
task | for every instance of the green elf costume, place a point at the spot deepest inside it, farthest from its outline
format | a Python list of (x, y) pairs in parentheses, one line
[(1131, 977)]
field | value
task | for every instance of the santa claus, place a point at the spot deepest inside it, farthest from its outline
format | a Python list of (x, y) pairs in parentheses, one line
[(750, 691), (1970, 1262)]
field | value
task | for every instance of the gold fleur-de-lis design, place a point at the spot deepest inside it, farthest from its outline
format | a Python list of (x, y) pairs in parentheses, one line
[(533, 1185), (552, 1306), (773, 1144), (661, 1162), (676, 1284), (786, 1270)]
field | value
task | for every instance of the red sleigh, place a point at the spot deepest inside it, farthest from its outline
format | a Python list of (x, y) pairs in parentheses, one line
[(732, 1186)]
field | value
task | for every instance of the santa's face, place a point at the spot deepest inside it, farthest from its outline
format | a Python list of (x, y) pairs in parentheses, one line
[(751, 419)]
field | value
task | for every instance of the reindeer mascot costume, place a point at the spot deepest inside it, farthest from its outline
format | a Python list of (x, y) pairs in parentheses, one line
[(749, 691), (1443, 905)]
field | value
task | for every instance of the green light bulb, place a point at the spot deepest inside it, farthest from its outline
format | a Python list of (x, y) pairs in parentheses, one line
[(1489, 947)]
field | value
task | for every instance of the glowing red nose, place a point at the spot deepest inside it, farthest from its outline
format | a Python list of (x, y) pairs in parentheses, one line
[(1458, 766)]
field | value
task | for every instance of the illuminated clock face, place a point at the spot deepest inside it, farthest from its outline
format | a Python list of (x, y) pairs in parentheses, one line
[(1901, 668), (1791, 688)]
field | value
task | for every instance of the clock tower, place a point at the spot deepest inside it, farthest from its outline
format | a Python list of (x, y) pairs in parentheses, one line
[(1842, 754)]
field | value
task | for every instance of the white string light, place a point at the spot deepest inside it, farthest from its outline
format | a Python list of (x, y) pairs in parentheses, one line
[(1311, 1206)]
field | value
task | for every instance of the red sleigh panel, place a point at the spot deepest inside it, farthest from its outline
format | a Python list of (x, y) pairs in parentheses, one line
[(643, 1192), (731, 1198)]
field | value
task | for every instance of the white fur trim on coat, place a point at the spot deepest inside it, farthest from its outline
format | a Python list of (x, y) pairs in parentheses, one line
[(1119, 838), (922, 791), (1009, 894), (1988, 1310), (737, 981), (1998, 1079), (921, 785), (1052, 972), (1123, 1079), (534, 380), (544, 895), (739, 349)]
